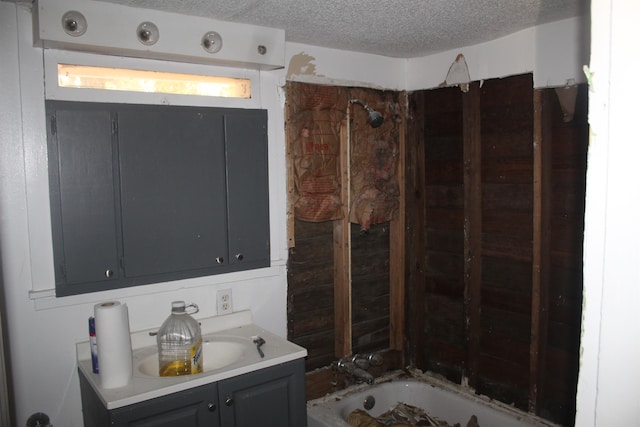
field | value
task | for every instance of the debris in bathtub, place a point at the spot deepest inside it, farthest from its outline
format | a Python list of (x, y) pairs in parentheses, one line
[(400, 416)]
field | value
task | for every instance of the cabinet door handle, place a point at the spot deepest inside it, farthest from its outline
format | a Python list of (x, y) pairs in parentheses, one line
[(228, 401), (220, 260), (239, 257), (212, 407), (108, 274)]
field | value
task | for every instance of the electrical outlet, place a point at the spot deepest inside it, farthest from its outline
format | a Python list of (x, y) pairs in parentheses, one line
[(224, 302)]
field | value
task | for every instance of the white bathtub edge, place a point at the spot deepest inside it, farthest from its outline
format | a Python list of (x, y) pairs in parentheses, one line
[(321, 411)]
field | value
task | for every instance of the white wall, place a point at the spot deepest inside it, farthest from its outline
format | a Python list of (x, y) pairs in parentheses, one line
[(554, 53), (610, 364), (318, 65), (43, 329)]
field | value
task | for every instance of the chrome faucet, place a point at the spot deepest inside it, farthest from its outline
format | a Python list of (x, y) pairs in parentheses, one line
[(357, 366), (358, 374)]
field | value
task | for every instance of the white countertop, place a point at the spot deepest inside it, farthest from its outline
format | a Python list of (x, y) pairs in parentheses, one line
[(236, 327)]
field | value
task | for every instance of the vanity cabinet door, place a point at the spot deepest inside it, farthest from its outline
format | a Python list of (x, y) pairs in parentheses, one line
[(271, 397), (144, 194), (247, 188), (173, 191), (195, 407), (83, 214)]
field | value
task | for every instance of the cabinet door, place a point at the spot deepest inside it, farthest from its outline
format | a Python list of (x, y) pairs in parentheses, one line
[(145, 194), (272, 397), (173, 182), (83, 212), (248, 188), (190, 408)]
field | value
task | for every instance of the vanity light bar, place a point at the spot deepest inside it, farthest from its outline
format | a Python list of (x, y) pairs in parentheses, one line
[(91, 77), (87, 26)]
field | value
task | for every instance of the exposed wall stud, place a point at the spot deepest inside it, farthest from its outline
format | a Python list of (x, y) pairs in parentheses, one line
[(472, 142), (342, 251), (397, 251)]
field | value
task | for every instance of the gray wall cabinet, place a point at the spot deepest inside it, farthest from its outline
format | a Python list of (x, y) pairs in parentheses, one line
[(141, 194), (271, 397)]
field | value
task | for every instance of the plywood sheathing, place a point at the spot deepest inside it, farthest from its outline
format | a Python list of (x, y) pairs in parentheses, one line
[(522, 300)]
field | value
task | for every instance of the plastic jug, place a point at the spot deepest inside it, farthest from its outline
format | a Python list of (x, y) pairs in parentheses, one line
[(180, 342)]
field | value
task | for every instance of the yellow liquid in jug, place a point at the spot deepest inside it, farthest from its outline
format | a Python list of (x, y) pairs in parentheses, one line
[(176, 368)]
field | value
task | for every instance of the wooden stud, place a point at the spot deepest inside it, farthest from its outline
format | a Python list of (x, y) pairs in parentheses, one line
[(541, 248), (291, 239), (472, 158), (342, 251), (416, 226), (397, 248)]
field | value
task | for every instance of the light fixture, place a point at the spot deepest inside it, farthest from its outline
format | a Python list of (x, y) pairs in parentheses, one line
[(125, 79), (148, 33), (212, 42), (74, 23)]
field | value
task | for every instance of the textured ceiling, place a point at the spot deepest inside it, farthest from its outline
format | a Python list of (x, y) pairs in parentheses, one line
[(395, 28)]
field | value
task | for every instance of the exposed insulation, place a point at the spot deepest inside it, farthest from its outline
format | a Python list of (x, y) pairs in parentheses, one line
[(374, 186), (313, 130), (315, 116)]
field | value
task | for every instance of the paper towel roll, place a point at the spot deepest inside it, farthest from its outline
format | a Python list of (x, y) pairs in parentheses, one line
[(114, 344)]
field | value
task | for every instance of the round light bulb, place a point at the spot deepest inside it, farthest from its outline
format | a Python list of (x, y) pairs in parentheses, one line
[(148, 33), (74, 23), (212, 42)]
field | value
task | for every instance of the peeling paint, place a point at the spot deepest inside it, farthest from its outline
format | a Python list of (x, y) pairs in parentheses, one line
[(567, 98), (338, 68), (458, 74), (301, 64), (589, 75)]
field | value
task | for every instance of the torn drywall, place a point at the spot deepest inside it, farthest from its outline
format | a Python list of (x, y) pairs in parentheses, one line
[(567, 97), (458, 74)]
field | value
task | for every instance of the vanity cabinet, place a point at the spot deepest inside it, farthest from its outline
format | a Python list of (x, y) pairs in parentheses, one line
[(270, 397), (142, 194)]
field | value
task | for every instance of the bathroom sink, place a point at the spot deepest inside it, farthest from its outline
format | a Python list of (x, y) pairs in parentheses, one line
[(216, 354), (229, 350)]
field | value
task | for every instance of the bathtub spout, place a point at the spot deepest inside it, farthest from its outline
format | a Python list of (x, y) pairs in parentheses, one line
[(361, 375), (357, 373)]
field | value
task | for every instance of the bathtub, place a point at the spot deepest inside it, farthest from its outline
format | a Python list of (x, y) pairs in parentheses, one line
[(439, 398)]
